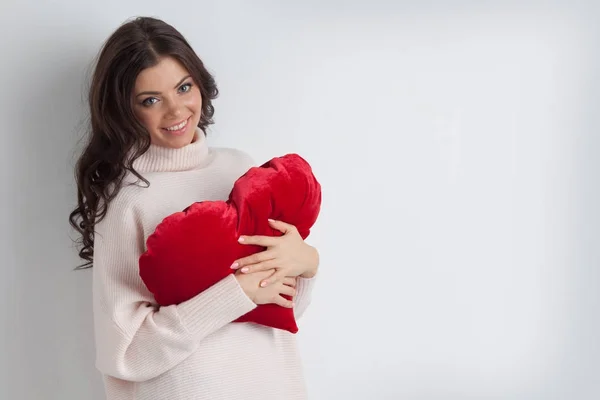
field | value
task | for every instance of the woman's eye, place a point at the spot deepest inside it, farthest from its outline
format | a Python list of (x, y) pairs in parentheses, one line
[(149, 101), (185, 87)]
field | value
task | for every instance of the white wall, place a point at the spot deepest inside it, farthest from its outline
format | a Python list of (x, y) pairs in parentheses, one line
[(456, 144)]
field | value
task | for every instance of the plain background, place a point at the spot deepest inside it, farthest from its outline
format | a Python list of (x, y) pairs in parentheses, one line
[(457, 147)]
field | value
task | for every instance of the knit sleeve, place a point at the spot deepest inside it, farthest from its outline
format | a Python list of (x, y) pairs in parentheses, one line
[(304, 289), (136, 340)]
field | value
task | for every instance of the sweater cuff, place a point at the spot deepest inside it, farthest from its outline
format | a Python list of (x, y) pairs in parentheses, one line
[(304, 286), (215, 307)]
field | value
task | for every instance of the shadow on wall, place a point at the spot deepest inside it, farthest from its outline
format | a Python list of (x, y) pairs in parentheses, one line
[(581, 360), (51, 341)]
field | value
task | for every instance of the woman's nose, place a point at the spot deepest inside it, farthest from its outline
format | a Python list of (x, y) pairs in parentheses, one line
[(174, 109)]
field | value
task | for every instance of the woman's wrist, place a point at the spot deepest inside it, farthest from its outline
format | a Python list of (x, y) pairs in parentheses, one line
[(312, 270)]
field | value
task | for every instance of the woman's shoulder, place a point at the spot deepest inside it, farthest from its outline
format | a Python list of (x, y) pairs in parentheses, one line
[(135, 195), (124, 203), (234, 156), (231, 163)]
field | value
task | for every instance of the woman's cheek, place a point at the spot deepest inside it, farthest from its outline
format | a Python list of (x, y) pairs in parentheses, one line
[(147, 119), (195, 101)]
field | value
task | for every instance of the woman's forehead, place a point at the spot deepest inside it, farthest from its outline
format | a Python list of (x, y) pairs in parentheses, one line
[(162, 76)]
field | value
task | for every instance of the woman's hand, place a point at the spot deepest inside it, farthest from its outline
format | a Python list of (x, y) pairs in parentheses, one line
[(269, 295), (289, 255)]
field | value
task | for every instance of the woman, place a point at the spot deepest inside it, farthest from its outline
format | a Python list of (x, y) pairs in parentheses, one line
[(147, 157)]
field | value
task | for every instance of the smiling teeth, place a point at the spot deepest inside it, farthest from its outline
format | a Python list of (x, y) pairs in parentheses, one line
[(178, 127)]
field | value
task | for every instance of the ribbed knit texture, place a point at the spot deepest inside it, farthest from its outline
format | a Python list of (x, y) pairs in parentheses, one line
[(192, 350)]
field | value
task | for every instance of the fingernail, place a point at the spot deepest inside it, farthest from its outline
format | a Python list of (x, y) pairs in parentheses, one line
[(241, 239), (245, 269), (263, 284), (271, 220), (235, 265)]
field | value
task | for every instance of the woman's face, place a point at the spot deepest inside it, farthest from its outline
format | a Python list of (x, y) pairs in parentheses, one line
[(167, 102)]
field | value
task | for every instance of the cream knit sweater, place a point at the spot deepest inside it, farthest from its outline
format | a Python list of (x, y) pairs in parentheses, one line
[(192, 350)]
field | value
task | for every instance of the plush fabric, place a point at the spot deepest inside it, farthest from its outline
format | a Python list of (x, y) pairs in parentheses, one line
[(193, 249)]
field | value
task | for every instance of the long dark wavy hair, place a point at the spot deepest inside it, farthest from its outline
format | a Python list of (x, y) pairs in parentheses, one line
[(116, 138)]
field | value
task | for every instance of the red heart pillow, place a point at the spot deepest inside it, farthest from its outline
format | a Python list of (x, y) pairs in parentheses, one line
[(193, 249)]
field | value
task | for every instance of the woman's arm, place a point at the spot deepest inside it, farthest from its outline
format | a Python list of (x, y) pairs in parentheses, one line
[(304, 289), (135, 339), (305, 284)]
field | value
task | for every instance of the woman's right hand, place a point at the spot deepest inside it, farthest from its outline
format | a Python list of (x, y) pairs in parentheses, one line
[(271, 294)]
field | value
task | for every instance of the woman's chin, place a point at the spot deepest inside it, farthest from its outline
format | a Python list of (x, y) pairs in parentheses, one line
[(173, 141)]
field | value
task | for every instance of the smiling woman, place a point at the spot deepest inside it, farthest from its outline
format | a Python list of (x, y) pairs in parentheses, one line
[(168, 111), (135, 93), (150, 104)]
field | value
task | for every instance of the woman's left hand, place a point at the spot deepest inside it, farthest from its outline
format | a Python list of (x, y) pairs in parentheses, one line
[(289, 255)]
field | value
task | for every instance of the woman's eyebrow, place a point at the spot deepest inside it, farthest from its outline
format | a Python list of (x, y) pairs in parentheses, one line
[(157, 93)]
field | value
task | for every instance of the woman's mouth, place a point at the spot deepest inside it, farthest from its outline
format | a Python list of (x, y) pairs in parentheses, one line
[(177, 129)]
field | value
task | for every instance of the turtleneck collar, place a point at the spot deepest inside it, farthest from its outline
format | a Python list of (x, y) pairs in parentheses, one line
[(164, 159)]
